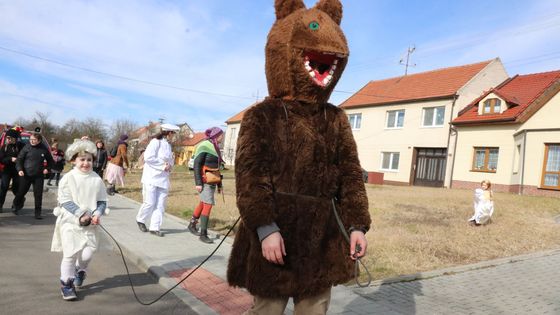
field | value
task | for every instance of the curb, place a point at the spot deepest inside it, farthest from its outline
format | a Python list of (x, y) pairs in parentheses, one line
[(454, 270)]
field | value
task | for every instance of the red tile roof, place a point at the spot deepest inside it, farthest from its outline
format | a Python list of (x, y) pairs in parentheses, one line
[(438, 83), (197, 137), (520, 92), (239, 116)]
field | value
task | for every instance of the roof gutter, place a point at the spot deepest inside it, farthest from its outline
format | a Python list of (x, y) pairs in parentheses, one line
[(509, 120), (523, 162), (397, 102)]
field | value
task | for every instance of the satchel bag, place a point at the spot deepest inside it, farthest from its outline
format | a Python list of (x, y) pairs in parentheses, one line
[(212, 176)]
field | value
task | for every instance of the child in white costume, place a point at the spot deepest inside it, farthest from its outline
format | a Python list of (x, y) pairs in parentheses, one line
[(82, 200), (483, 204)]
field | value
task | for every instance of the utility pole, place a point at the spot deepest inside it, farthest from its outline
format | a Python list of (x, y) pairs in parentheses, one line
[(407, 64)]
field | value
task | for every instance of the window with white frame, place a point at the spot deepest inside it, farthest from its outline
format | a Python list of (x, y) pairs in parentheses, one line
[(390, 161), (395, 118), (433, 116), (355, 120), (551, 169)]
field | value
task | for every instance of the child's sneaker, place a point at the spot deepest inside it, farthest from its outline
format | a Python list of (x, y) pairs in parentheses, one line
[(80, 276), (68, 291)]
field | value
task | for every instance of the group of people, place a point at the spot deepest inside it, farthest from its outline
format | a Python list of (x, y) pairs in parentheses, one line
[(24, 166)]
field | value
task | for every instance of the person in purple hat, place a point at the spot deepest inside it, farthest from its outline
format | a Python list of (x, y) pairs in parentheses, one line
[(207, 178), (116, 167)]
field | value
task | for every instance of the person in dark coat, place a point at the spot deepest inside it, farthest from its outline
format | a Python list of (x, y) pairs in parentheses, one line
[(8, 157), (33, 162), (59, 160), (296, 165), (100, 162)]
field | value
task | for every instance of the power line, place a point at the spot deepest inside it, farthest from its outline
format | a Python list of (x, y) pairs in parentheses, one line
[(121, 76)]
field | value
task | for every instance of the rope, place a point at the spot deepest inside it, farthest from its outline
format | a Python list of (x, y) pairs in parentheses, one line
[(358, 249), (176, 285)]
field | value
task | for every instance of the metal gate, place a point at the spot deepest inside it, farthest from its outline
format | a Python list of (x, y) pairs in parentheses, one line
[(430, 167)]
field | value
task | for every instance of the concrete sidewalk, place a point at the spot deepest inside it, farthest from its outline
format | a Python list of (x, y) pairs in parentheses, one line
[(528, 284)]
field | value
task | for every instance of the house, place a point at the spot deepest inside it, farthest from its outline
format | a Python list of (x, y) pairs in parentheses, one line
[(402, 125), (230, 138), (185, 150), (511, 136)]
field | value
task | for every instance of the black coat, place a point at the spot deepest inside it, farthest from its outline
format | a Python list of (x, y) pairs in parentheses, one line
[(100, 161), (7, 152), (31, 160)]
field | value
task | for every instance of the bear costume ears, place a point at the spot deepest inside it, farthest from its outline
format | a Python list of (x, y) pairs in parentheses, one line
[(286, 7)]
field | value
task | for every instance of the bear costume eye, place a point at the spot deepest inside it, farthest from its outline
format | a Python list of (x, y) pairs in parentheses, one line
[(314, 26)]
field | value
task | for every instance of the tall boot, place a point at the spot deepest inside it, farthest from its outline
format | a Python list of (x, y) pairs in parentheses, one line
[(192, 226), (204, 230)]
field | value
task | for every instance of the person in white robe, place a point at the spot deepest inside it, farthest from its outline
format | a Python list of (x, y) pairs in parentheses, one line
[(483, 204), (82, 200), (158, 162)]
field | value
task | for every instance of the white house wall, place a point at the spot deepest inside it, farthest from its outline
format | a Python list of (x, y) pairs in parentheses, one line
[(548, 117), (501, 137), (230, 143), (491, 76), (373, 137)]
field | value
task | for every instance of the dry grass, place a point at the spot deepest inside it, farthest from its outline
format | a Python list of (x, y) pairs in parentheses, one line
[(415, 229)]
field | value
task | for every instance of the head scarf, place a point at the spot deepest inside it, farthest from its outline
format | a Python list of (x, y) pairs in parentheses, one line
[(212, 135), (123, 138)]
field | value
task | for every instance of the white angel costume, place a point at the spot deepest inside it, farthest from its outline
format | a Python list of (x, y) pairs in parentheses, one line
[(483, 206), (85, 190)]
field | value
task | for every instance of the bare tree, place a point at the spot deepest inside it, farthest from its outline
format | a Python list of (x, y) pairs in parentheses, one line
[(93, 128), (48, 129), (120, 127)]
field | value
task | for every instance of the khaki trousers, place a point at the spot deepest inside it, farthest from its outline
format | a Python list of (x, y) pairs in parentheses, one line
[(315, 305)]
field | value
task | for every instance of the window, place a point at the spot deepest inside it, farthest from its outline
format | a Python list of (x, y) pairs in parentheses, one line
[(390, 161), (355, 120), (485, 159), (395, 118), (551, 167), (433, 116), (492, 106)]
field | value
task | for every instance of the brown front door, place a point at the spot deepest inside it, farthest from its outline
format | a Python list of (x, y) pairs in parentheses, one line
[(430, 167)]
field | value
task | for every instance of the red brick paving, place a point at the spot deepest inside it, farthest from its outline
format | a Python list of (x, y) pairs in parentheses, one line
[(214, 292)]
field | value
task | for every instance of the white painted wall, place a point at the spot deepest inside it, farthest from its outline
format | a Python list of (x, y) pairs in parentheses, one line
[(230, 142)]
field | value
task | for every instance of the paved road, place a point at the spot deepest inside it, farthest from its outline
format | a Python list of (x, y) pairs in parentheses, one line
[(29, 274), (528, 284)]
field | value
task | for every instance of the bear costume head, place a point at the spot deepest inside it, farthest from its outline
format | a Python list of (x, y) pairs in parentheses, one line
[(306, 51)]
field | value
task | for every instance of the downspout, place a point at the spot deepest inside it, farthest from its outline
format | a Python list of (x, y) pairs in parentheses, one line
[(449, 139), (453, 160), (523, 162)]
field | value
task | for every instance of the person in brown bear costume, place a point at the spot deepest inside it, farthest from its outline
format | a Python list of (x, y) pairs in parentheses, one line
[(295, 155)]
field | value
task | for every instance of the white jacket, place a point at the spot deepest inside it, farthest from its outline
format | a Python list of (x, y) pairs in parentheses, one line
[(157, 154)]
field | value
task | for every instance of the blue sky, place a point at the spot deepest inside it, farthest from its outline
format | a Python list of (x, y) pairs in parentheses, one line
[(202, 61)]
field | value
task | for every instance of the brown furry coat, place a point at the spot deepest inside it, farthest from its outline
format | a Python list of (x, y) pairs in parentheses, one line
[(295, 153)]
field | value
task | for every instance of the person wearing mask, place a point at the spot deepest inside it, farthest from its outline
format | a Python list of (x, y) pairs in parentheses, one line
[(158, 162), (116, 167), (207, 158), (33, 163), (8, 157), (100, 162)]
